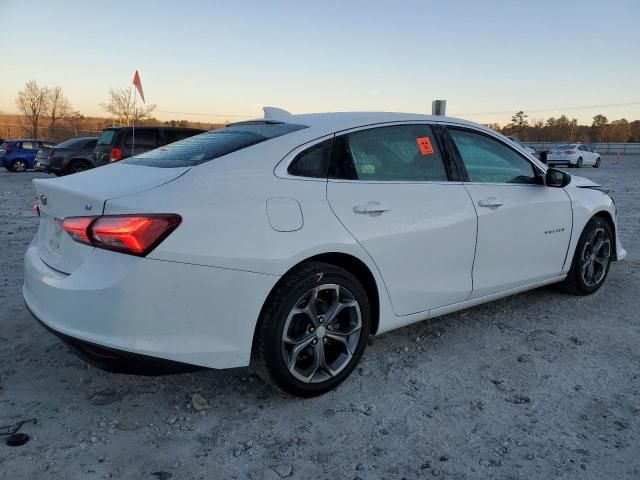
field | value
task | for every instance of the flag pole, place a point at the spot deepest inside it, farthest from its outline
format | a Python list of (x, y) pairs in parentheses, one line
[(133, 125)]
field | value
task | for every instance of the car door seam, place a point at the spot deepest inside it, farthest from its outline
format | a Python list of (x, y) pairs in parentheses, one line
[(326, 197), (566, 255), (475, 247)]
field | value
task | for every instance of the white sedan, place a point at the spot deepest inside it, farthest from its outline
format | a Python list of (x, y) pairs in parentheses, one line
[(574, 155), (285, 242)]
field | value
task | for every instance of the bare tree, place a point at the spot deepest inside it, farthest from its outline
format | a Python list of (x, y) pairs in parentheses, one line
[(122, 108), (59, 109), (75, 120), (33, 102)]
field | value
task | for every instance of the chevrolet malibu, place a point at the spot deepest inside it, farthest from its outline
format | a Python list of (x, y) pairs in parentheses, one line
[(285, 242)]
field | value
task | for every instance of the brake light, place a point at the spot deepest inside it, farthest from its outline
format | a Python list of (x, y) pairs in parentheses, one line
[(116, 155), (132, 234), (36, 209), (7, 150), (77, 227)]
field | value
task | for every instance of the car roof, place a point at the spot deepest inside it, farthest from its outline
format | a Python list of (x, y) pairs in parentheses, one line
[(124, 127), (326, 123)]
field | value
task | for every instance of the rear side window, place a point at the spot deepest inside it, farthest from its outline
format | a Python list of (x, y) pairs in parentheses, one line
[(29, 146), (207, 146), (313, 162), (144, 137), (398, 153), (106, 138)]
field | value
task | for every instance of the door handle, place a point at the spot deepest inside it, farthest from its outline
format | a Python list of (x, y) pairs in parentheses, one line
[(370, 208), (491, 202)]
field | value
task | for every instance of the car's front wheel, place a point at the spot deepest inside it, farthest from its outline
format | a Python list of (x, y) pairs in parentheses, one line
[(579, 164), (19, 165), (597, 164), (591, 260), (312, 331)]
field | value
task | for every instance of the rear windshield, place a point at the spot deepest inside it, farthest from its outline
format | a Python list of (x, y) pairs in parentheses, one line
[(207, 146), (107, 137), (69, 143)]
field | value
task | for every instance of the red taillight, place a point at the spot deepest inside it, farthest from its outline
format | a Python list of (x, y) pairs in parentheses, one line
[(77, 227), (133, 234), (36, 209), (116, 155)]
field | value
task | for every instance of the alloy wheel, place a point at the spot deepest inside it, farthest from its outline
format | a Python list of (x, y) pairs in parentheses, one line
[(595, 257), (321, 333), (19, 166)]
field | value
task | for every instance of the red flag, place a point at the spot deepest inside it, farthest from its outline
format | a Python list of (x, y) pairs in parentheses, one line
[(138, 84)]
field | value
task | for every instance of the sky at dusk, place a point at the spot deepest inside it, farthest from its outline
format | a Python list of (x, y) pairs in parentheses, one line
[(215, 61)]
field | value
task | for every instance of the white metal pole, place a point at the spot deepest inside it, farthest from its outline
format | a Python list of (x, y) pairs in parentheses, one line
[(133, 130)]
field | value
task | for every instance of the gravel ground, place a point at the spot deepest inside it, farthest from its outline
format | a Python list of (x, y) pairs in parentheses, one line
[(540, 385)]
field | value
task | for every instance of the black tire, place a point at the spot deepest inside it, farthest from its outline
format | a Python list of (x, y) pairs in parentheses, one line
[(270, 349), (77, 165), (579, 164), (19, 165), (597, 164), (575, 282)]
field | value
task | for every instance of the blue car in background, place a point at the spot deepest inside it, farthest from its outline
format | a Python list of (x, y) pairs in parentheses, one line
[(19, 155)]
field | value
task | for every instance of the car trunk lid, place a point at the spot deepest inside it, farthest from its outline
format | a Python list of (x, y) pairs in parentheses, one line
[(84, 194)]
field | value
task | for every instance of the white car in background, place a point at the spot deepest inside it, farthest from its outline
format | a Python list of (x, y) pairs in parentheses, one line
[(574, 155), (529, 150), (285, 242)]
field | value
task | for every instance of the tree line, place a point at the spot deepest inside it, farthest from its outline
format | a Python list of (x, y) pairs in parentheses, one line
[(46, 113), (564, 129), (48, 110)]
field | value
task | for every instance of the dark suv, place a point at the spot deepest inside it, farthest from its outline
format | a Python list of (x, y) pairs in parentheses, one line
[(117, 143), (72, 156)]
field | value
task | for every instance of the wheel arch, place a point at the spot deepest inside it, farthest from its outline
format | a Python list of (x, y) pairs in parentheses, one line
[(606, 216), (353, 265)]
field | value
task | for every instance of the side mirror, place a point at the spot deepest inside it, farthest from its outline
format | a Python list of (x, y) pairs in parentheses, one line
[(556, 178)]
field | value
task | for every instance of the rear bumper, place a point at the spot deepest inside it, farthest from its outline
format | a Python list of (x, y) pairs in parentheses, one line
[(203, 316), (118, 361)]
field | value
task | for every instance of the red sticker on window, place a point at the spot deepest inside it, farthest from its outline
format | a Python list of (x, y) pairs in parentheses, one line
[(424, 143)]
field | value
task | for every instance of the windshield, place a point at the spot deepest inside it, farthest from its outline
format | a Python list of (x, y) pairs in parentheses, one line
[(566, 147), (207, 146), (107, 137)]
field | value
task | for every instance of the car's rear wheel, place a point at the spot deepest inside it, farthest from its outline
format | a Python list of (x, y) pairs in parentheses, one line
[(579, 164), (19, 165), (597, 164), (312, 331), (76, 166), (591, 260)]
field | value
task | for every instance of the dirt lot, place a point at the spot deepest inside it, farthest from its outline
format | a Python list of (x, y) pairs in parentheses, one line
[(540, 385)]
